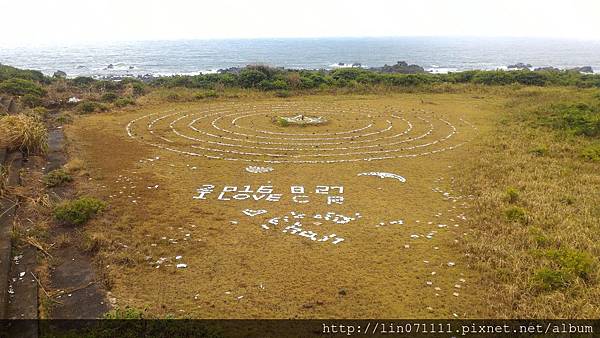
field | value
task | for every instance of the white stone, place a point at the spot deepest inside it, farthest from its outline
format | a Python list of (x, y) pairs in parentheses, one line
[(384, 175), (258, 170), (252, 213)]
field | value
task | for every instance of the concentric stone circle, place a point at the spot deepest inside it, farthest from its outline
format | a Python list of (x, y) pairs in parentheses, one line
[(244, 132)]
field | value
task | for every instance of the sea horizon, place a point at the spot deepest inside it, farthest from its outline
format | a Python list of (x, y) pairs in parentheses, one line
[(196, 56)]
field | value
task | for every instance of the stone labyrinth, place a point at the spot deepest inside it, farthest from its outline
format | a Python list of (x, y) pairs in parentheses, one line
[(246, 132), (251, 134)]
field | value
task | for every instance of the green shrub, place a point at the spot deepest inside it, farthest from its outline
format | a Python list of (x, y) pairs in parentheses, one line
[(87, 107), (348, 74), (31, 100), (39, 113), (109, 97), (57, 177), (124, 101), (138, 88), (550, 279), (576, 263), (591, 153), (64, 118), (565, 266), (512, 195), (127, 313), (516, 214), (578, 119), (82, 81), (529, 78), (79, 211), (264, 77), (21, 87), (8, 72), (496, 77), (273, 85), (282, 122), (107, 85), (249, 78)]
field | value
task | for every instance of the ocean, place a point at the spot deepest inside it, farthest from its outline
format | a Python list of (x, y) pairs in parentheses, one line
[(435, 54)]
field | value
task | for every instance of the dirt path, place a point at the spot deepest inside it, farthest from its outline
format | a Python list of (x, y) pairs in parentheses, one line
[(72, 277), (401, 252)]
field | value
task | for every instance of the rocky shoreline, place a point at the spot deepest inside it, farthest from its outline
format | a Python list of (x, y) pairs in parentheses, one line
[(401, 67)]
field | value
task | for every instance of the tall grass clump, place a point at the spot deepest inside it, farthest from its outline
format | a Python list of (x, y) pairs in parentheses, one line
[(25, 133), (3, 179)]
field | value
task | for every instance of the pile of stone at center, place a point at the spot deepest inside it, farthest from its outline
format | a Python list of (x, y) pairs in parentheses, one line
[(303, 120)]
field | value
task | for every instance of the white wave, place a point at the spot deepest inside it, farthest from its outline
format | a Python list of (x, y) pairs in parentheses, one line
[(346, 65), (199, 72), (441, 70)]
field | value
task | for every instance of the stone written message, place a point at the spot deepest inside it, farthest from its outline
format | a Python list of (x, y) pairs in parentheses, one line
[(297, 193), (294, 225)]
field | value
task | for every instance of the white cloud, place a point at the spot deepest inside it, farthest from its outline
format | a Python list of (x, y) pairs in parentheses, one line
[(63, 21)]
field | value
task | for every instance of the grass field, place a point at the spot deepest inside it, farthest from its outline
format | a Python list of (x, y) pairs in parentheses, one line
[(536, 217), (499, 212)]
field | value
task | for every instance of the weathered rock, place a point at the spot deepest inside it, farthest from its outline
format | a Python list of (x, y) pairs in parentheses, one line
[(401, 67), (12, 107), (547, 69), (584, 69), (231, 70), (59, 74), (520, 65)]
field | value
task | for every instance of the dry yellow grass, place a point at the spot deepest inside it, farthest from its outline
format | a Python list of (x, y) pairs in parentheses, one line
[(75, 167), (3, 179), (242, 271), (512, 169), (545, 265), (24, 133)]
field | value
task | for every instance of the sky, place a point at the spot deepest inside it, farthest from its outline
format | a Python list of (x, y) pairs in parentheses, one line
[(32, 22)]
